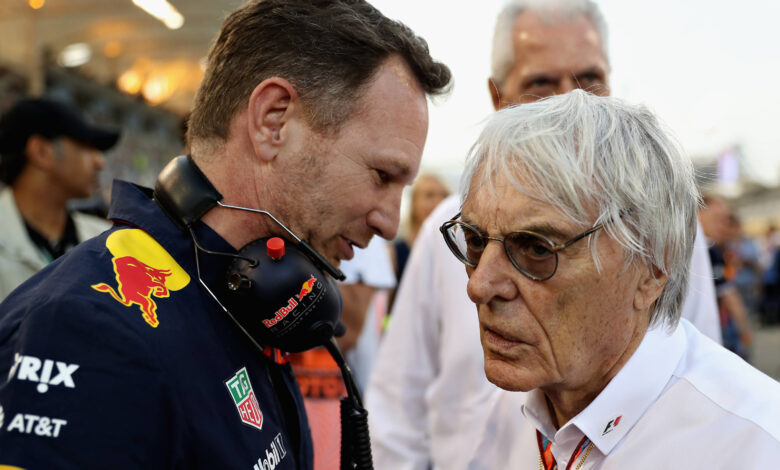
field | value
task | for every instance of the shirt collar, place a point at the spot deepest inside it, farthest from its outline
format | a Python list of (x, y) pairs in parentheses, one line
[(133, 204), (536, 411), (633, 390), (612, 414)]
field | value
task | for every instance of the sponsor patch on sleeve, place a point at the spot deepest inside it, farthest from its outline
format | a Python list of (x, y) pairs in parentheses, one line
[(144, 271)]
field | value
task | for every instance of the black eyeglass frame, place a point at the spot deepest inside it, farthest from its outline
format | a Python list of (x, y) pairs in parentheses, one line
[(554, 248)]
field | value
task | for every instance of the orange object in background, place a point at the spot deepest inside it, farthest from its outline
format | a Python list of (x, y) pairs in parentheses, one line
[(322, 387)]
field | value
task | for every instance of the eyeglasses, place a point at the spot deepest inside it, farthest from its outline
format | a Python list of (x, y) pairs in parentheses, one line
[(534, 255)]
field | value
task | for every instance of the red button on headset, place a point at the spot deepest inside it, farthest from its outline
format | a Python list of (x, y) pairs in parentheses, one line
[(275, 248)]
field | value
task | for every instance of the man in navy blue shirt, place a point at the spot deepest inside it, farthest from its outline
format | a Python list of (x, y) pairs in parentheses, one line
[(119, 355)]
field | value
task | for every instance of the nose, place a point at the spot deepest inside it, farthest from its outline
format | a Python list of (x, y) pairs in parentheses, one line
[(99, 160), (493, 277), (568, 83), (385, 217)]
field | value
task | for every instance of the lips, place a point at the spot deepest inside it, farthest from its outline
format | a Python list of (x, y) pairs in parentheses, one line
[(345, 249), (500, 342), (347, 246)]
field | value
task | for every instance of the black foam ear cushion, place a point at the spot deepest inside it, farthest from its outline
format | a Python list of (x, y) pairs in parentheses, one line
[(287, 303), (184, 192)]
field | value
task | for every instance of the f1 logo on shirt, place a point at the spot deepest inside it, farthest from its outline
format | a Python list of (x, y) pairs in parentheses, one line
[(34, 370), (611, 425)]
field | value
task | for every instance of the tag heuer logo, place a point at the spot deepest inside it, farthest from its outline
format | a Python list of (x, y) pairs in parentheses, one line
[(244, 397)]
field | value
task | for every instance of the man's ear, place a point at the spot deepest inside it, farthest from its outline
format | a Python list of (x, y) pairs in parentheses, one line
[(271, 105), (40, 152), (651, 283), (495, 94)]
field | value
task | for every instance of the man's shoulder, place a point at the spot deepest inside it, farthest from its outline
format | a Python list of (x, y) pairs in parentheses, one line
[(91, 287), (716, 411), (63, 296), (726, 384)]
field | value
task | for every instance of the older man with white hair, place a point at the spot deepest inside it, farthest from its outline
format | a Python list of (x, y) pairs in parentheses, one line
[(428, 388), (576, 231)]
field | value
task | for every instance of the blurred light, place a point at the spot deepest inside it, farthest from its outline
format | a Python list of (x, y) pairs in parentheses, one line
[(36, 4), (157, 89), (129, 82), (75, 55), (163, 11), (112, 49), (203, 63)]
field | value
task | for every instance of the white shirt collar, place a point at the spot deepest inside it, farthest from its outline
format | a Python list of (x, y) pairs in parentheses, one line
[(623, 401)]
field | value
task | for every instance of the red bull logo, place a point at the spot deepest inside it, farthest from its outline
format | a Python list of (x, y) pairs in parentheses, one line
[(292, 302), (307, 287), (144, 271)]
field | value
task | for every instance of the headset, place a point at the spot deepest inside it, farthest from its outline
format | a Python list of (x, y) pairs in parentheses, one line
[(281, 293)]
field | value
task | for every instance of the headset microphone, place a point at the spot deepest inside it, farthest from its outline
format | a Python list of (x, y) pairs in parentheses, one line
[(280, 292)]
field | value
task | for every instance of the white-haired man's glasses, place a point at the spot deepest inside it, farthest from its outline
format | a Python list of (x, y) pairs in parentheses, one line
[(534, 255)]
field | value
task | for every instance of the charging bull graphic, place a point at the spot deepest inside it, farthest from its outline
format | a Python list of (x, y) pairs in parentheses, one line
[(144, 270), (307, 287)]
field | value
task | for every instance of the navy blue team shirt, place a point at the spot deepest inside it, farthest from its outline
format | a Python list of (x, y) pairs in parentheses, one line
[(115, 357)]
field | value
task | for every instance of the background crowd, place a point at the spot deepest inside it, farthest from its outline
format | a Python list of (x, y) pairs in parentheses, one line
[(743, 242)]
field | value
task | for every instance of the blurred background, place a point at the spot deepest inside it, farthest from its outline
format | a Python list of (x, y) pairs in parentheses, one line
[(708, 68)]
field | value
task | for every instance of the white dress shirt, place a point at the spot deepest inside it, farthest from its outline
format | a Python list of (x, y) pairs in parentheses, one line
[(701, 303), (429, 383), (680, 402), (370, 266), (428, 389)]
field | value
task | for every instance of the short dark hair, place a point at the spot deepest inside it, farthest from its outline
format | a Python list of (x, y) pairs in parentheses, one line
[(327, 49)]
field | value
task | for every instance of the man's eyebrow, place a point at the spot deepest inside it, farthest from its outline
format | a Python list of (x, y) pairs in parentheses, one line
[(539, 76), (546, 229), (467, 220), (396, 168), (541, 228), (595, 69), (473, 225)]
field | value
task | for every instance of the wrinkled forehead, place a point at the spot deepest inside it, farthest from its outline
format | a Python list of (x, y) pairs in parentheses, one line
[(535, 28), (564, 39), (512, 197)]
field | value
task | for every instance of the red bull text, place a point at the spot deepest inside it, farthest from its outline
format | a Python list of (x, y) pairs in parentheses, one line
[(292, 302)]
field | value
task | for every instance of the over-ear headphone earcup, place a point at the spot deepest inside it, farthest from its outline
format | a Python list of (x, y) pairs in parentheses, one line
[(285, 302)]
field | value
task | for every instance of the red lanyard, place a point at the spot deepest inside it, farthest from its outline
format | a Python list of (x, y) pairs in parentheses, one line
[(548, 459)]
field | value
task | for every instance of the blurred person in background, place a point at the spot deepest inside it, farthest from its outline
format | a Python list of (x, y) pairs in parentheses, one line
[(716, 220), (49, 155), (769, 245), (577, 231), (743, 253), (428, 191), (428, 389), (142, 347), (770, 281)]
